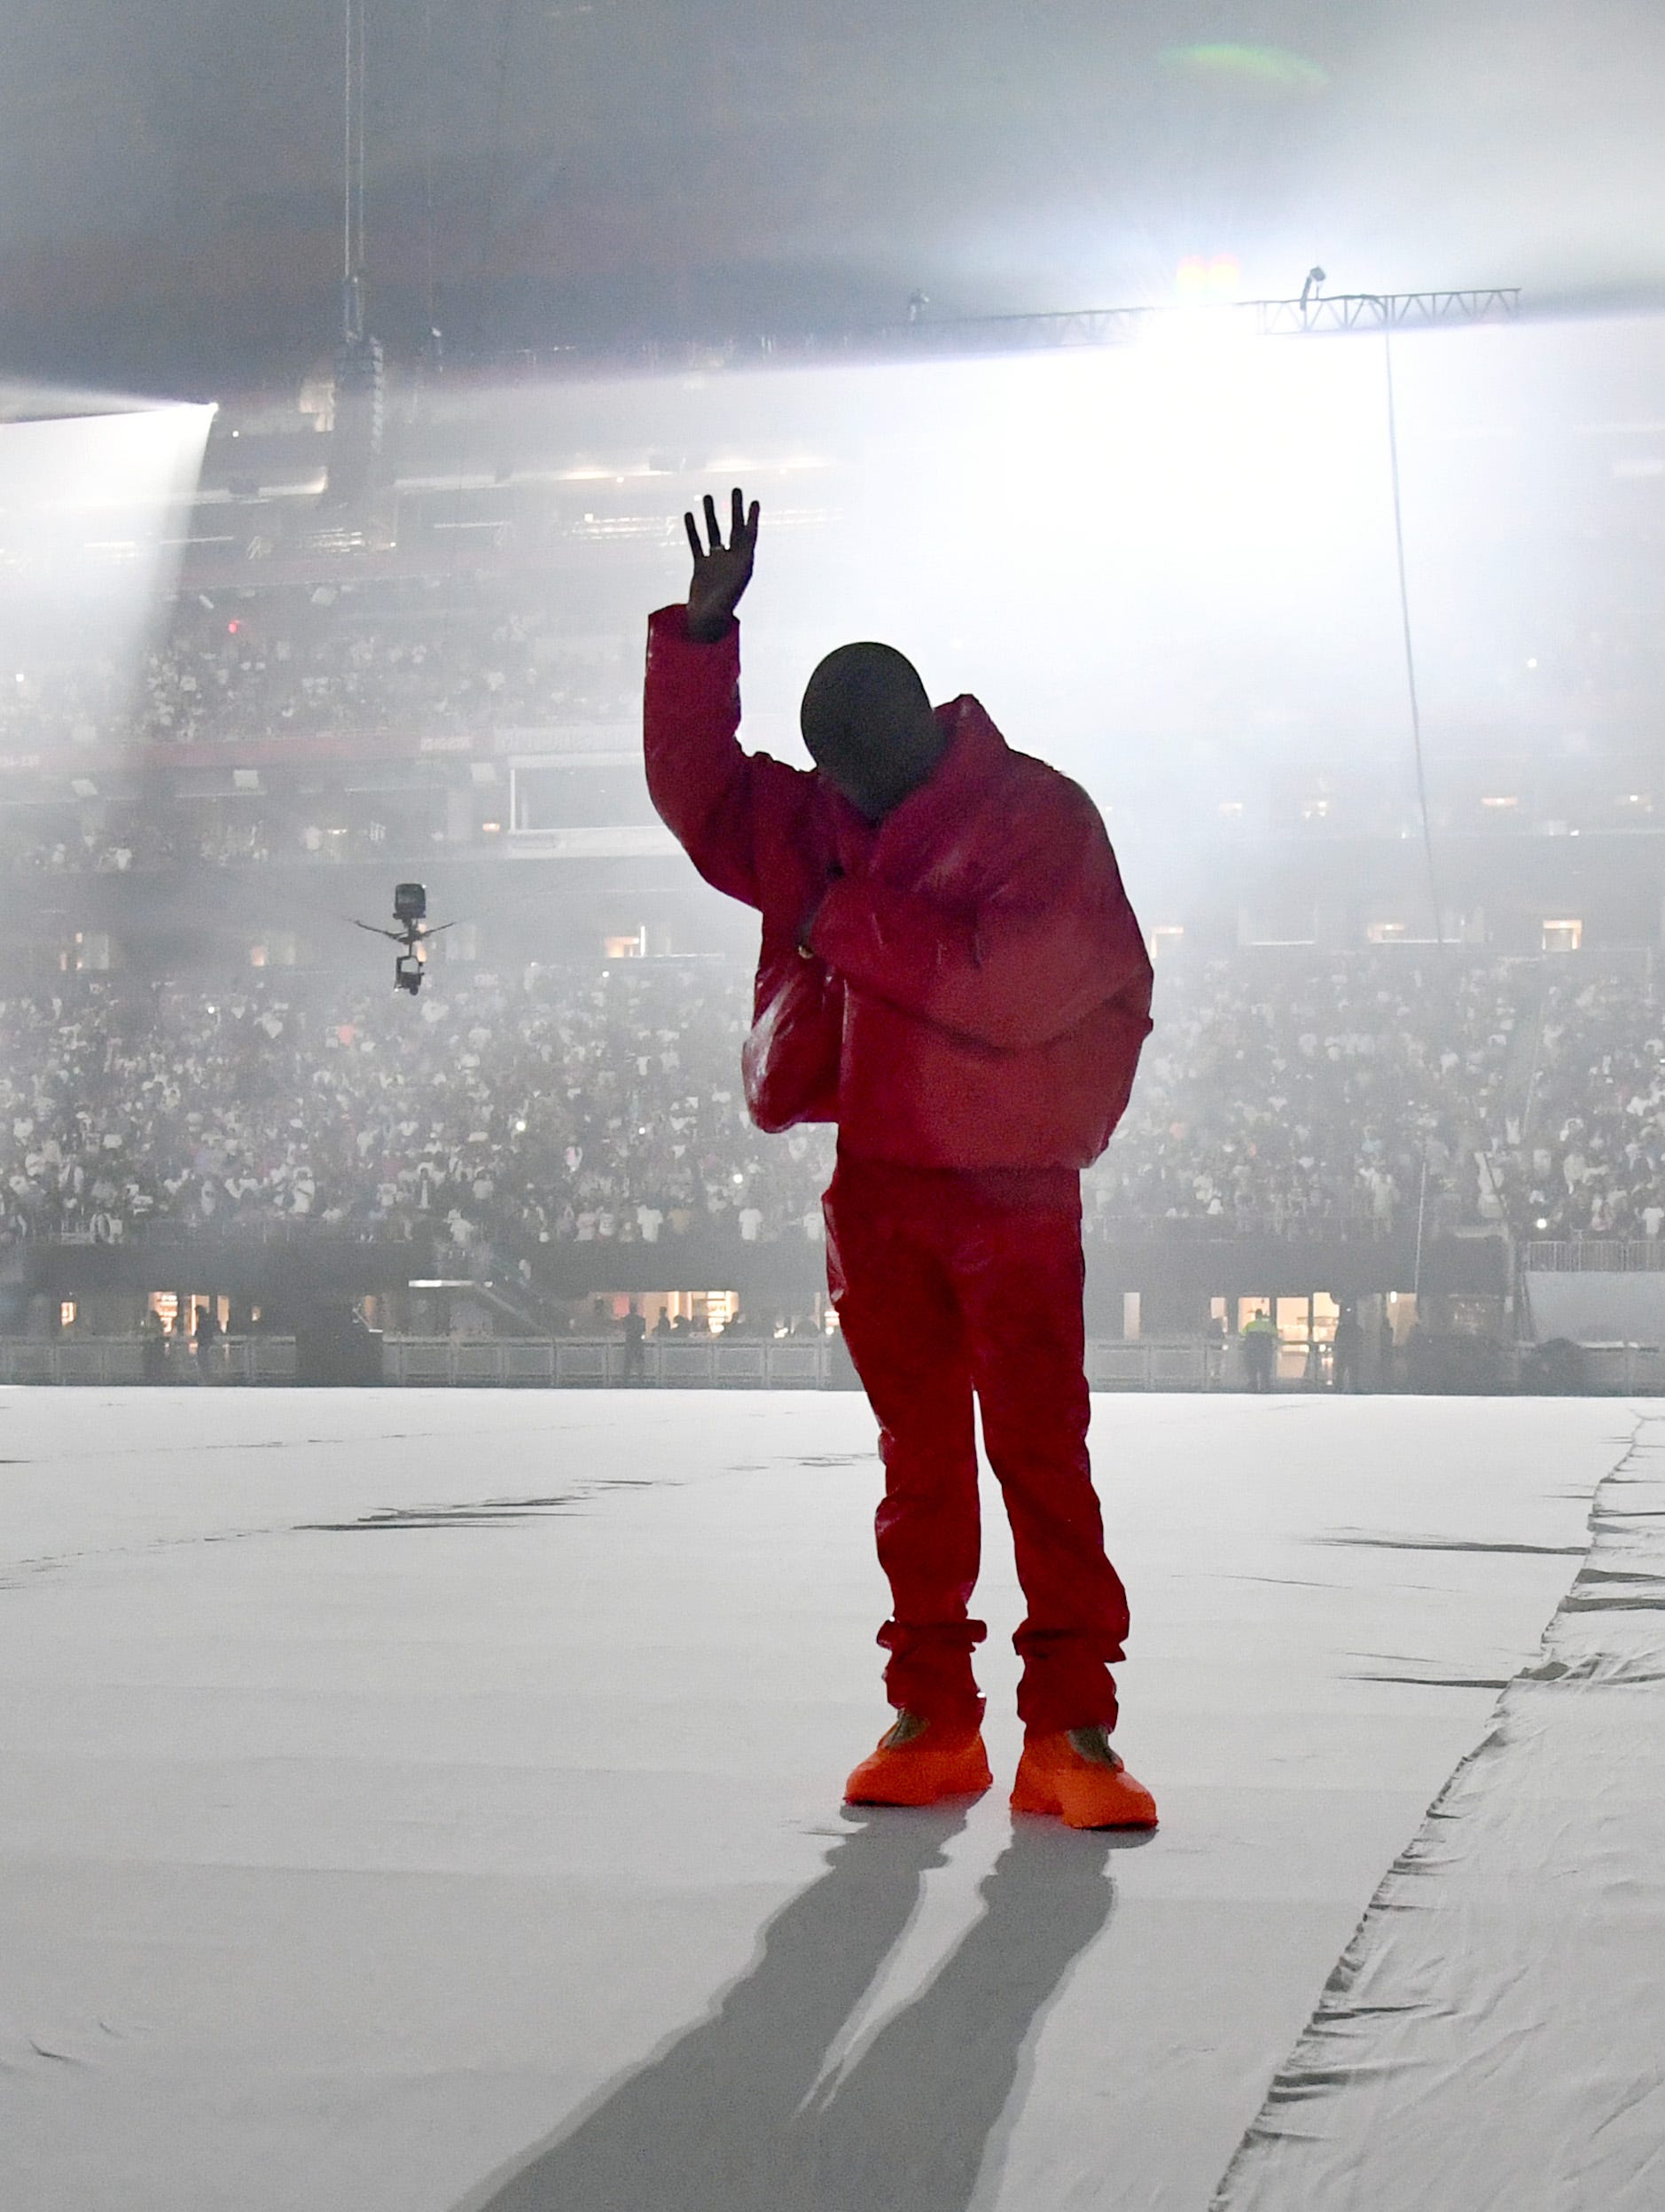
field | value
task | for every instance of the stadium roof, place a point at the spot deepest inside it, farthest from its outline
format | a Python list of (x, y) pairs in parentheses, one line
[(607, 170)]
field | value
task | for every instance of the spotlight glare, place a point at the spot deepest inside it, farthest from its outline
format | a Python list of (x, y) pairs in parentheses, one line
[(1202, 281)]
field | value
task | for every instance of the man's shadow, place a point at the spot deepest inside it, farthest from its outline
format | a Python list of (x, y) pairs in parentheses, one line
[(732, 2117)]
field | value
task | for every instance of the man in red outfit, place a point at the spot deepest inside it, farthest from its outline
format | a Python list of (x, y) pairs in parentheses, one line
[(951, 971)]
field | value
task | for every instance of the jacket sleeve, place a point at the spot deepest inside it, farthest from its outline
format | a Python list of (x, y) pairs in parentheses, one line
[(1053, 938), (712, 795)]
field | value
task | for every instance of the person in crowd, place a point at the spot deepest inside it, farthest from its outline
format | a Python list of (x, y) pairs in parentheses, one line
[(1260, 1349), (634, 1339), (204, 1334), (153, 1346), (1418, 1338), (951, 971), (1347, 1350), (1385, 1350)]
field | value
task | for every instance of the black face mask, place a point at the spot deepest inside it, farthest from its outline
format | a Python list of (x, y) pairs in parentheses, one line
[(874, 782), (867, 721)]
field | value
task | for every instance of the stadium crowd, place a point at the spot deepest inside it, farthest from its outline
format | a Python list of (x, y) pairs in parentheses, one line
[(324, 665), (1290, 1096), (1293, 1094), (216, 836), (597, 1104), (1587, 1159)]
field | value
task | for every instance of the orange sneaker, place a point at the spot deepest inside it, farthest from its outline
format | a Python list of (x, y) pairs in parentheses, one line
[(1055, 1776), (918, 1761)]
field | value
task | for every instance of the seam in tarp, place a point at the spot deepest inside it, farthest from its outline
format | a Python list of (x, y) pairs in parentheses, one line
[(1353, 2117)]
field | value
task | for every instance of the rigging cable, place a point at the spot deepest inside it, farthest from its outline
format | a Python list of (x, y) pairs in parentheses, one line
[(1410, 643), (430, 104), (353, 167), (358, 147), (489, 224), (346, 144)]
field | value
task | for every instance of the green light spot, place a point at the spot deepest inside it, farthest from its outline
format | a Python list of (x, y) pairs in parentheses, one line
[(1252, 68)]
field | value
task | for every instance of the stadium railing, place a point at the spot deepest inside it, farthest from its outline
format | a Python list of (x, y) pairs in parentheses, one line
[(1594, 1255), (118, 1359), (566, 1363), (598, 1363)]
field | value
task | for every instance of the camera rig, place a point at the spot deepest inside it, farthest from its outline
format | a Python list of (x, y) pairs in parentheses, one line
[(410, 911)]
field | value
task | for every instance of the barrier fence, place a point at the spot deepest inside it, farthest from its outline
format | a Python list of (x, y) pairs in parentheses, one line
[(1594, 1255), (118, 1359), (599, 1364), (565, 1364)]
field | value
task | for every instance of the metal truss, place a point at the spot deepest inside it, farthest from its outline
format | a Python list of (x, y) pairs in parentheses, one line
[(1318, 314), (1391, 311), (1271, 318)]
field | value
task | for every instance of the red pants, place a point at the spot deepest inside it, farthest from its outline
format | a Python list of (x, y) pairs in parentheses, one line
[(944, 1286)]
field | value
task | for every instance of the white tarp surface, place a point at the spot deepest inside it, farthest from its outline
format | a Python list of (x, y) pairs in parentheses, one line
[(1493, 2037), (421, 1801)]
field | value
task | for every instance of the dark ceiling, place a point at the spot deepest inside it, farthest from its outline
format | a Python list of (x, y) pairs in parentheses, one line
[(591, 170)]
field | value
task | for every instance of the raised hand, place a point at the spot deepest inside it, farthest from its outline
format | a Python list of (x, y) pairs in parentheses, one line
[(720, 573)]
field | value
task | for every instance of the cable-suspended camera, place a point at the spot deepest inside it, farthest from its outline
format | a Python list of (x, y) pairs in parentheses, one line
[(410, 911)]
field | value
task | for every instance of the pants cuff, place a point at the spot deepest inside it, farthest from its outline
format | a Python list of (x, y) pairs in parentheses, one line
[(930, 1669), (1046, 1708)]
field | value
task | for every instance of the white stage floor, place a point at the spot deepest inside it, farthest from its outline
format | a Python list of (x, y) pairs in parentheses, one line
[(414, 1801)]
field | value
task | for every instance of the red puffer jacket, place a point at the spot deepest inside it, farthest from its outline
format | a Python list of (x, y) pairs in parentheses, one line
[(978, 990)]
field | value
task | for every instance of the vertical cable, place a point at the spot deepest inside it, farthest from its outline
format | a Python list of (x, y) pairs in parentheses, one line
[(430, 103), (347, 142), (1410, 657), (1422, 1206), (358, 147), (352, 140), (489, 226)]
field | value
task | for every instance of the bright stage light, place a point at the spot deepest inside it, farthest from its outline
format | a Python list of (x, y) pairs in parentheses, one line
[(94, 512), (1154, 537), (1196, 333), (1167, 566), (1205, 282)]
